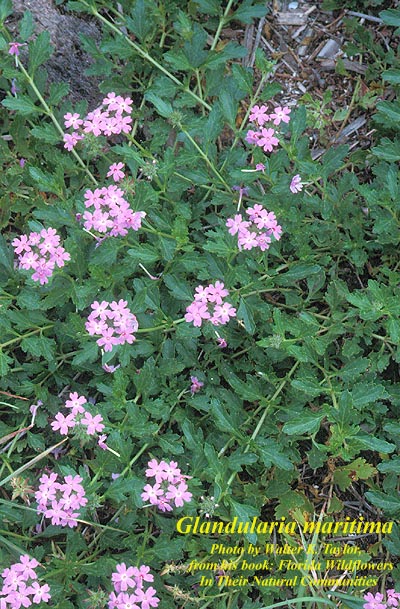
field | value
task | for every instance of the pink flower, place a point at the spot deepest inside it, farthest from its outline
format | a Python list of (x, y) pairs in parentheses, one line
[(374, 602), (259, 114), (280, 115), (236, 224), (72, 120), (260, 167), (393, 598), (196, 385), (71, 140), (267, 140), (216, 292), (221, 342), (147, 597), (102, 441), (179, 494), (75, 402), (41, 593), (14, 48), (142, 574), (222, 313), (63, 423), (296, 184), (252, 136), (155, 470), (115, 171), (152, 493), (196, 312), (94, 424), (123, 578)]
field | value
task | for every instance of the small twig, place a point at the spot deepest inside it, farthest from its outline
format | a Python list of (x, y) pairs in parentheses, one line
[(364, 16)]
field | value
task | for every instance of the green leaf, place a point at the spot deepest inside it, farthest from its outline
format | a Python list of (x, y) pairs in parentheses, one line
[(45, 181), (47, 133), (144, 253), (392, 75), (310, 386), (6, 9), (164, 108), (221, 418), (372, 443), (209, 7), (57, 92), (247, 11), (304, 424), (178, 288), (6, 255), (40, 50), (365, 393), (245, 313), (26, 26), (388, 503), (388, 150), (243, 77), (140, 22), (5, 362), (298, 270), (272, 454), (391, 17), (87, 355), (229, 106), (22, 104), (389, 111)]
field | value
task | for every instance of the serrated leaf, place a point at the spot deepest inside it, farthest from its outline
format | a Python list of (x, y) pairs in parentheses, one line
[(387, 150), (372, 443), (304, 424), (22, 104), (5, 362), (45, 181), (40, 50), (57, 92), (6, 9), (391, 17), (388, 503), (178, 288), (47, 133), (245, 313), (26, 26), (139, 22), (163, 107), (272, 454), (209, 7)]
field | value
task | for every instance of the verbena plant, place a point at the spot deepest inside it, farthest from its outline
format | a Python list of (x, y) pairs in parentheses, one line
[(196, 317)]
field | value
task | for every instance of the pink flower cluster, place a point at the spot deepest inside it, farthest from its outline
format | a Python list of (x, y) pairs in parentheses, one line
[(196, 385), (80, 418), (41, 252), (20, 588), (59, 501), (208, 304), (113, 321), (377, 601), (170, 485), (112, 215), (257, 231), (129, 591), (112, 117), (266, 138)]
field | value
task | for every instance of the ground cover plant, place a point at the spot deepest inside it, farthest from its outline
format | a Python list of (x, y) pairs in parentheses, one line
[(198, 318)]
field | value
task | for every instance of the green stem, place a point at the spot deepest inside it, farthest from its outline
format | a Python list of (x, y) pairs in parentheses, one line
[(145, 55), (16, 340), (54, 120), (224, 19), (206, 159)]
